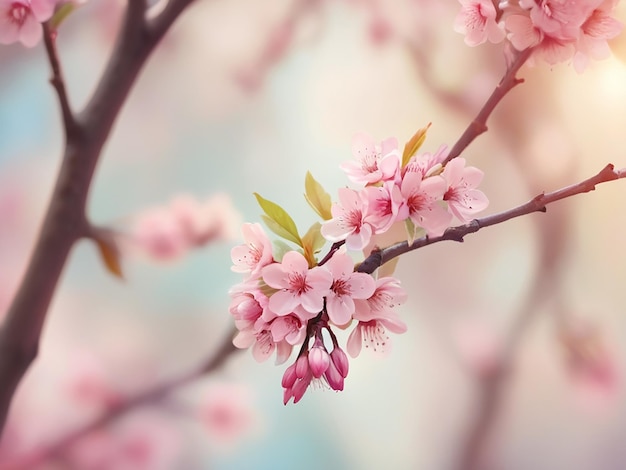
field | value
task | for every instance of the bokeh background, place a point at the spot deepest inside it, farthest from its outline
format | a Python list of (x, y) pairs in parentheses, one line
[(245, 96)]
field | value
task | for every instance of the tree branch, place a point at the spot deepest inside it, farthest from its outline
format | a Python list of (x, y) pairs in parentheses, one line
[(479, 124), (148, 396), (537, 204), (65, 221)]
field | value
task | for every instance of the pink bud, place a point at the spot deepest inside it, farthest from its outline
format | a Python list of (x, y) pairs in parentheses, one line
[(300, 387), (319, 361), (340, 361), (289, 377), (333, 377), (302, 366)]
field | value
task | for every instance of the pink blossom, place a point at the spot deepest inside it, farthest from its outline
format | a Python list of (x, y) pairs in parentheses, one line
[(228, 413), (477, 20), (255, 254), (463, 199), (595, 32), (349, 220), (247, 305), (422, 200), (347, 285), (375, 315), (427, 164), (319, 359), (383, 203), (297, 379), (298, 286), (20, 20), (522, 32), (373, 163), (263, 344), (289, 328)]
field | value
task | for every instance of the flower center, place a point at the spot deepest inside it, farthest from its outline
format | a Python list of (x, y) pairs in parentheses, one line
[(297, 283), (340, 287), (374, 336), (18, 13)]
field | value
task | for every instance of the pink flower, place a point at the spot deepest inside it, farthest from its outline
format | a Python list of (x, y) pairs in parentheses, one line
[(247, 305), (477, 20), (289, 328), (20, 20), (383, 206), (298, 286), (228, 413), (375, 315), (255, 254), (522, 32), (346, 286), (373, 163), (421, 199), (595, 32), (349, 222), (427, 164), (463, 199), (297, 379), (263, 344)]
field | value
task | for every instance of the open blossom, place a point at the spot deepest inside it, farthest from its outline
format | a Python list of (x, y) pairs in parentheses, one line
[(255, 254), (477, 20), (349, 220), (20, 20), (595, 31), (463, 199), (427, 164), (373, 163), (383, 206), (347, 285), (422, 200), (375, 316), (300, 289), (263, 344)]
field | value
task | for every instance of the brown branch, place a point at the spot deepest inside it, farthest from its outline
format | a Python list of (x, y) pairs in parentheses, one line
[(65, 221), (537, 204), (148, 396), (479, 124), (57, 81)]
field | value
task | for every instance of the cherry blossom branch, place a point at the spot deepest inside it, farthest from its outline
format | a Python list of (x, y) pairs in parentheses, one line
[(537, 204), (149, 396), (479, 125), (65, 221), (57, 81)]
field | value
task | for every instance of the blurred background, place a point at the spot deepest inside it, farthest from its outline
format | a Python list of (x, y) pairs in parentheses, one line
[(517, 339)]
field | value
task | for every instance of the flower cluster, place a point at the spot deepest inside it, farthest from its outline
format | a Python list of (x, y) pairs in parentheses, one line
[(20, 20), (397, 191), (288, 298), (558, 30)]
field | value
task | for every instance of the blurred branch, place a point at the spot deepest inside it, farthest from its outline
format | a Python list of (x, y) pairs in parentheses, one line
[(479, 124), (57, 81), (65, 221), (537, 204), (148, 396)]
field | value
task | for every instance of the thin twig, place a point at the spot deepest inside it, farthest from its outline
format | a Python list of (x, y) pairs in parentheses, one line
[(57, 81), (479, 124), (537, 204)]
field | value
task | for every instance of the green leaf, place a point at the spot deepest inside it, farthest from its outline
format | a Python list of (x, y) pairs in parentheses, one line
[(410, 230), (280, 248), (317, 198), (413, 145), (280, 223)]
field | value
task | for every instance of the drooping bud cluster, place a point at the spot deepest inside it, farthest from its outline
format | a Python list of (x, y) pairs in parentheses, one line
[(288, 298), (558, 30)]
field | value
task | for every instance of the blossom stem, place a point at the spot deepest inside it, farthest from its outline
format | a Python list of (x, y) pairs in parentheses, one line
[(479, 125), (331, 252), (537, 204)]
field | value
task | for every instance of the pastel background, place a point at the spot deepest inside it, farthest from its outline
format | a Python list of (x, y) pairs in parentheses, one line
[(228, 105)]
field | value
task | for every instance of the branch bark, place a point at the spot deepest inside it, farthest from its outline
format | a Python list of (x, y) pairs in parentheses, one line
[(65, 221)]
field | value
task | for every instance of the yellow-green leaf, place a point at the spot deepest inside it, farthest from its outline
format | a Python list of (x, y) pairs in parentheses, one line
[(110, 255), (389, 267), (312, 243), (317, 198), (61, 15), (413, 145), (281, 223)]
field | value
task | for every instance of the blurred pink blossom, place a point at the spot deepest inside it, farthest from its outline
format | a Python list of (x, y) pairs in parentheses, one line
[(20, 20), (228, 413), (477, 20), (168, 232)]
